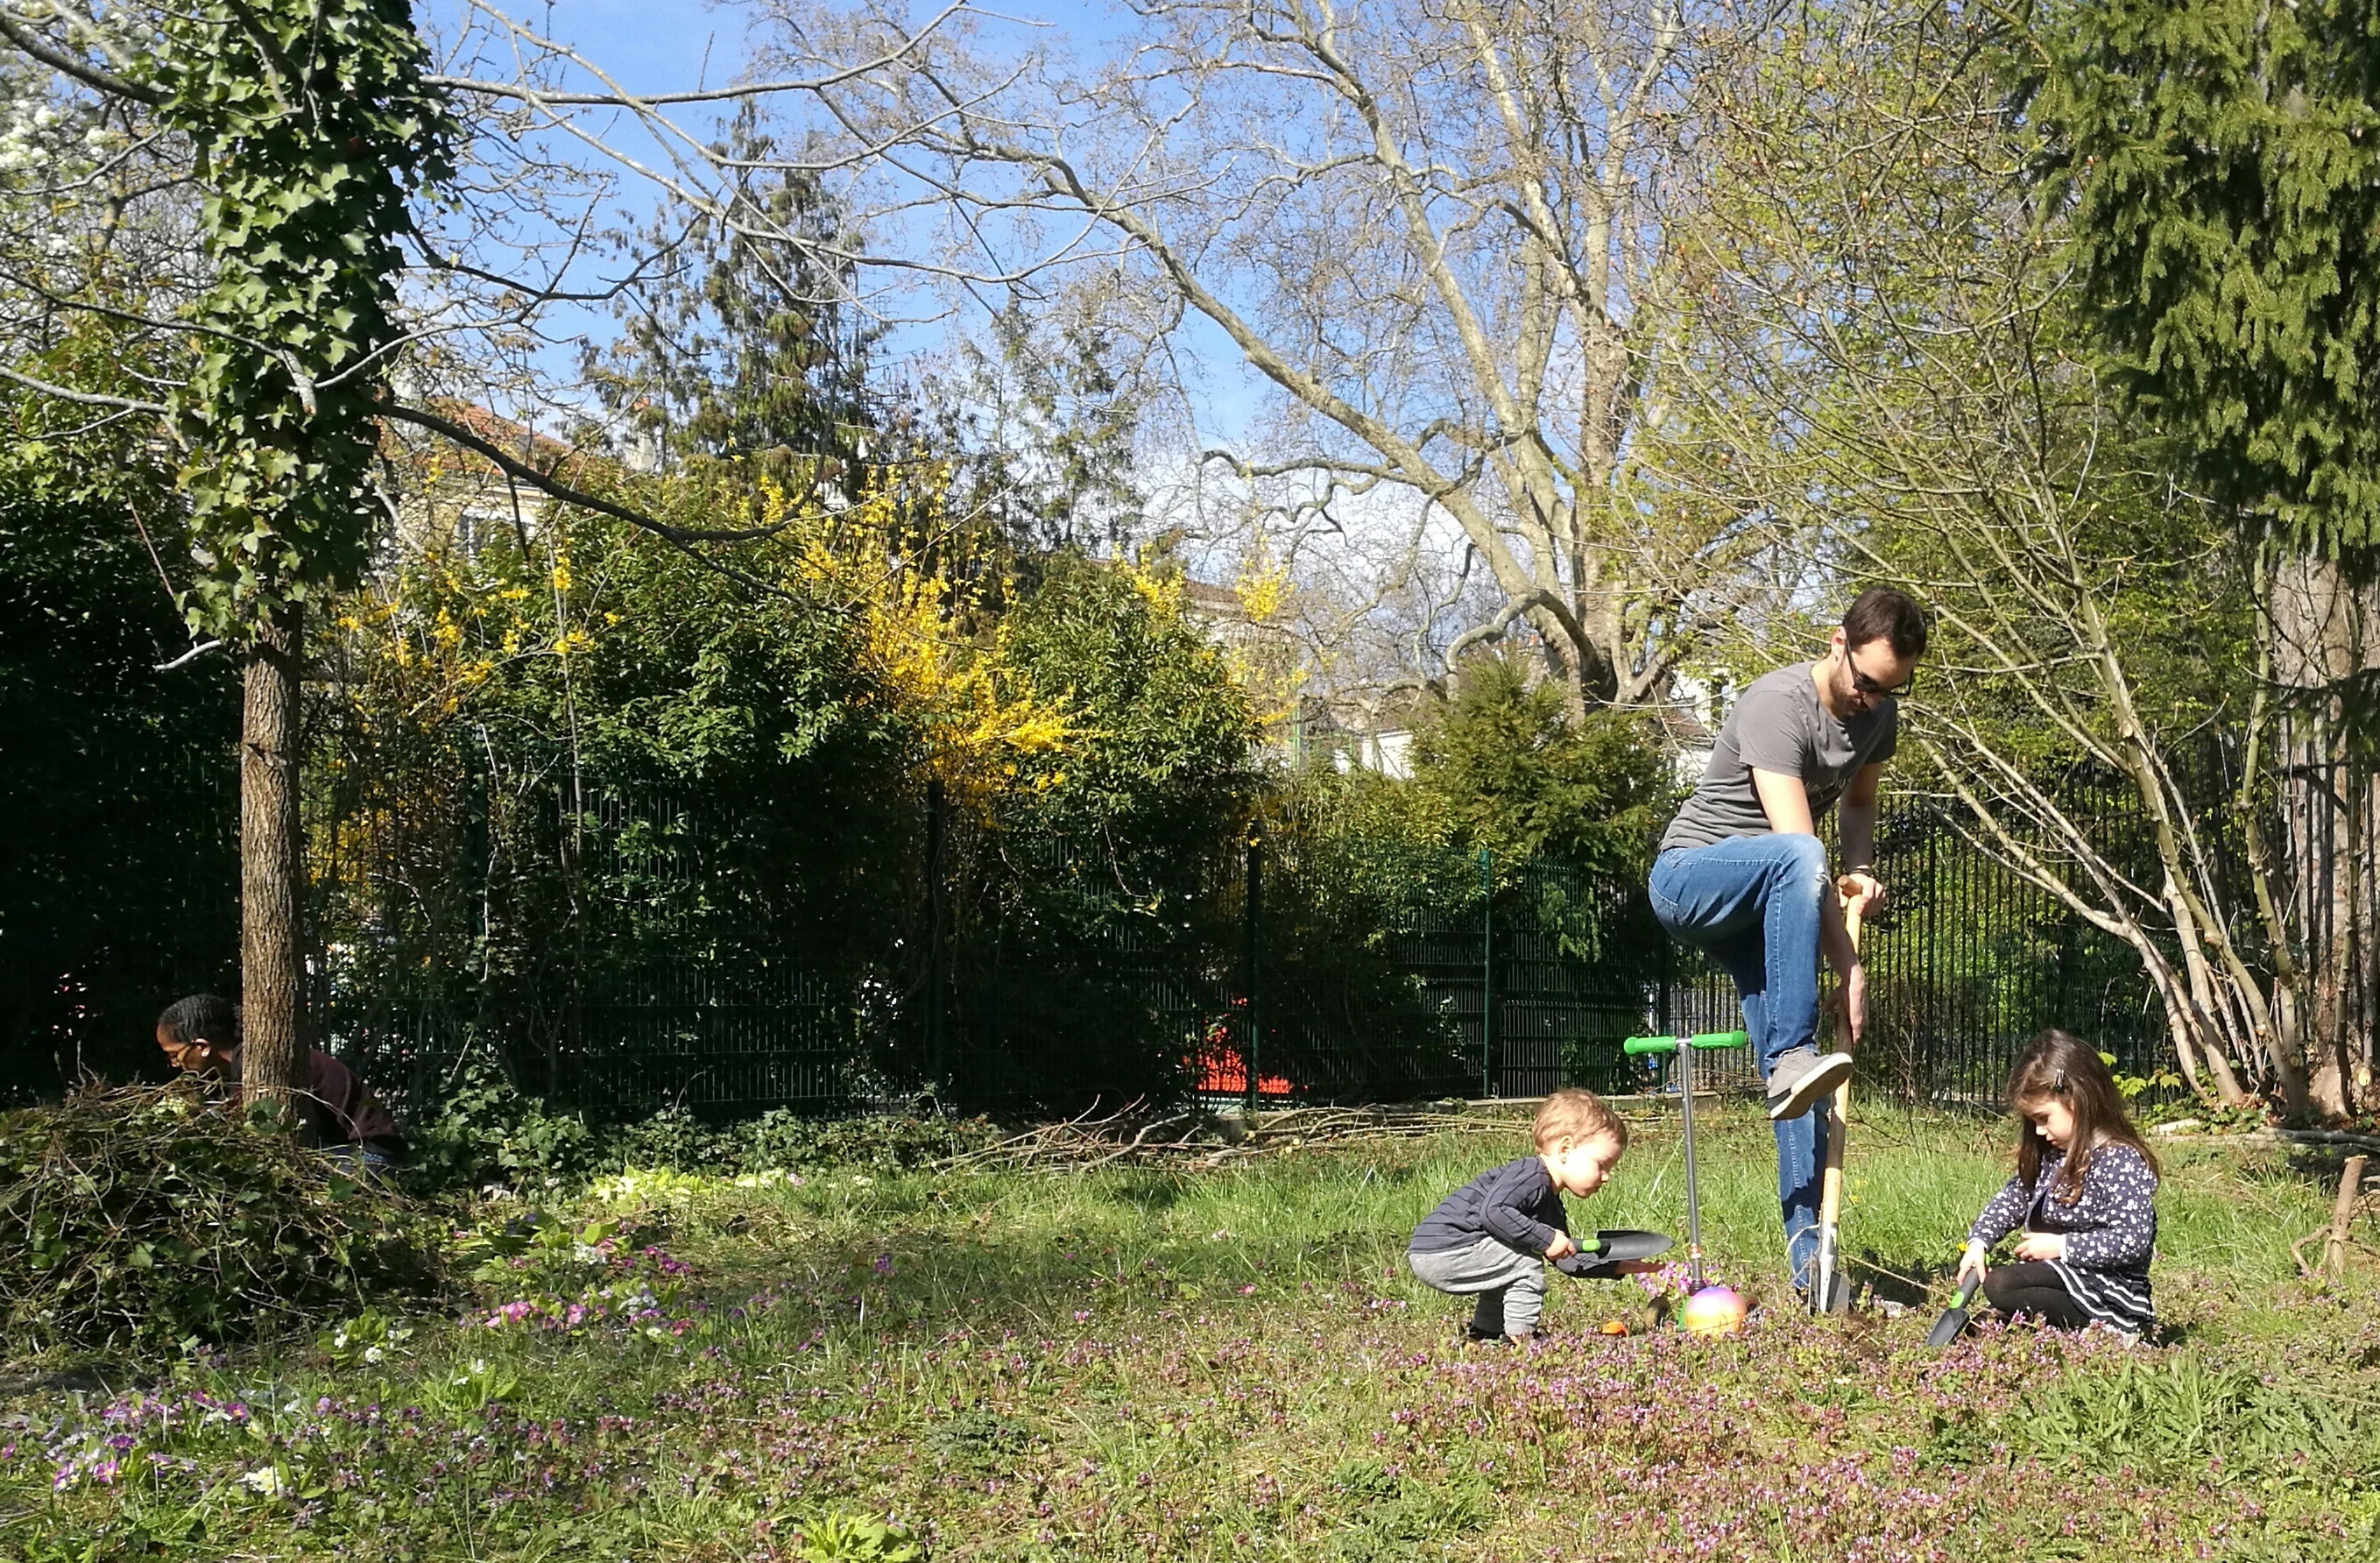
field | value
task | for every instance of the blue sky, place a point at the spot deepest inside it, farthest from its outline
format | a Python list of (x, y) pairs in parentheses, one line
[(653, 45), (665, 45)]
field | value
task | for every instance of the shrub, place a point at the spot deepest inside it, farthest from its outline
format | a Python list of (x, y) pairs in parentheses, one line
[(676, 1138), (486, 1131), (879, 1141), (148, 1216)]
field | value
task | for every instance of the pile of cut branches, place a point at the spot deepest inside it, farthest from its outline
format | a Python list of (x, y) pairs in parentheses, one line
[(1191, 1139), (150, 1216)]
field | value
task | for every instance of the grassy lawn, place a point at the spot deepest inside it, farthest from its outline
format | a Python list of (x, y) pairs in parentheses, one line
[(1233, 1363)]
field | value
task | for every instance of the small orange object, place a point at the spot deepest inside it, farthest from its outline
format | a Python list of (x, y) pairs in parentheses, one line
[(1615, 1326)]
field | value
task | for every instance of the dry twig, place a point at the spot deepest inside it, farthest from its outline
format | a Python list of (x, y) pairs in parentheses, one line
[(1191, 1140)]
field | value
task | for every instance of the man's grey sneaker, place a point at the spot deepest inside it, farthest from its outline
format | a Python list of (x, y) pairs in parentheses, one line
[(1799, 1077)]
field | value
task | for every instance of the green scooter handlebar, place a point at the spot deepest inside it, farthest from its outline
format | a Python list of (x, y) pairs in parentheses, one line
[(1639, 1044)]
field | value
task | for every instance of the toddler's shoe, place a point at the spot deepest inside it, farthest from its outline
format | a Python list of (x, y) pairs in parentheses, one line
[(1799, 1077)]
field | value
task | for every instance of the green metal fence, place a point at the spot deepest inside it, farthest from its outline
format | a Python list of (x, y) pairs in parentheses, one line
[(1012, 974)]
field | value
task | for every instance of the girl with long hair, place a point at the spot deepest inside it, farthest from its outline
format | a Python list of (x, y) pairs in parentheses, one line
[(2083, 1195)]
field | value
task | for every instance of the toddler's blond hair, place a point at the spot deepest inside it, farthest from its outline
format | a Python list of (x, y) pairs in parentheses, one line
[(1577, 1115)]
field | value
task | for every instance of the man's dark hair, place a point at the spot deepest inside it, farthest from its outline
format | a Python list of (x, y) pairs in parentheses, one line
[(1882, 614), (201, 1014)]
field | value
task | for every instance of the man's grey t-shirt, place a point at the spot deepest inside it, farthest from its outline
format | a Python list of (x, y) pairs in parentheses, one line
[(1780, 726)]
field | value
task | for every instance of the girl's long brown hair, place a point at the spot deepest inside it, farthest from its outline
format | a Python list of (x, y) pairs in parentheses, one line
[(2058, 1064)]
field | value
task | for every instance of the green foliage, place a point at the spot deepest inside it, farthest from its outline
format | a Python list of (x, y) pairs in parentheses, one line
[(2191, 1419), (1392, 1517), (309, 123), (1367, 878), (1042, 426), (2132, 1088), (536, 1250), (839, 1536), (147, 1217), (1516, 775), (474, 1387), (1112, 845), (367, 1340), (693, 678), (582, 764), (484, 1132), (674, 1138), (980, 1440), (116, 787), (881, 1142), (1372, 841), (1163, 773), (2218, 163)]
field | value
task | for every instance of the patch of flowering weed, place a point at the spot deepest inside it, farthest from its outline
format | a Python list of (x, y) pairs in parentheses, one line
[(1017, 1391), (1324, 1425)]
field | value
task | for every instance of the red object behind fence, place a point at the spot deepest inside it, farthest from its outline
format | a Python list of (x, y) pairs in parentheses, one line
[(1222, 1072)]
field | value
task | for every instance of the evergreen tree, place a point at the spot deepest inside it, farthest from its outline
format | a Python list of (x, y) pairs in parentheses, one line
[(2217, 164), (1503, 762), (740, 345), (2220, 160)]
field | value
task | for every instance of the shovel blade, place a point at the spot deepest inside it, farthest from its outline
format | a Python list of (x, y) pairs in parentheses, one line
[(1947, 1328), (1596, 1255), (1627, 1243), (1825, 1280)]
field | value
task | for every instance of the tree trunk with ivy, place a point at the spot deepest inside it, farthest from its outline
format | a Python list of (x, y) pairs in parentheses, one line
[(309, 122)]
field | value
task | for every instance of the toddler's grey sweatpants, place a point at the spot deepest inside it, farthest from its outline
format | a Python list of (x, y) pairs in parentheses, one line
[(1510, 1285)]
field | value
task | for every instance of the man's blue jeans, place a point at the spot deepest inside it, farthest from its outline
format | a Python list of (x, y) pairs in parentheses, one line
[(1752, 902)]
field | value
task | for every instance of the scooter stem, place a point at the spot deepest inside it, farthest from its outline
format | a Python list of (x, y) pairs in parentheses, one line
[(1694, 1194)]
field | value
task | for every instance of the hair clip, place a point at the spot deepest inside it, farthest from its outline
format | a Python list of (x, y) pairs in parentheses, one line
[(2057, 1081)]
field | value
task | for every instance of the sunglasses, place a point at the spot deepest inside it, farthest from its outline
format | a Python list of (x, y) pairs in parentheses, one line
[(1875, 690)]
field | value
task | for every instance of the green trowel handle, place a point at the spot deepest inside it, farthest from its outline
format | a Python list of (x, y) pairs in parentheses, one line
[(1636, 1044)]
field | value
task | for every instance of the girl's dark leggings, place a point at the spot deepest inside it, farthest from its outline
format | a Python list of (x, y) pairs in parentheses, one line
[(2035, 1292)]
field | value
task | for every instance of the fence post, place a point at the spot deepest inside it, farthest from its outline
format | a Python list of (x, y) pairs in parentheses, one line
[(1487, 973), (1251, 1036), (937, 1050)]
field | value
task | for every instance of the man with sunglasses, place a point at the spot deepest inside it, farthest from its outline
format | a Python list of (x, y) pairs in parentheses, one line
[(1742, 875)]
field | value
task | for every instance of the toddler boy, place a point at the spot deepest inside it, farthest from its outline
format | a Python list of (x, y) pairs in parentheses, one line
[(1493, 1236)]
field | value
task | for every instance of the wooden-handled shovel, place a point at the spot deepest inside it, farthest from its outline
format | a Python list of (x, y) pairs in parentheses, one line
[(1829, 1290)]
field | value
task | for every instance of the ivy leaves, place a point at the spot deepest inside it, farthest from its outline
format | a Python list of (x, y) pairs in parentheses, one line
[(310, 125)]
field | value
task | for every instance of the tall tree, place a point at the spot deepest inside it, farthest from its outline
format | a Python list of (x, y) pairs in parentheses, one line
[(1891, 346), (2217, 165), (306, 125), (738, 339), (2219, 162), (310, 126), (1434, 231)]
